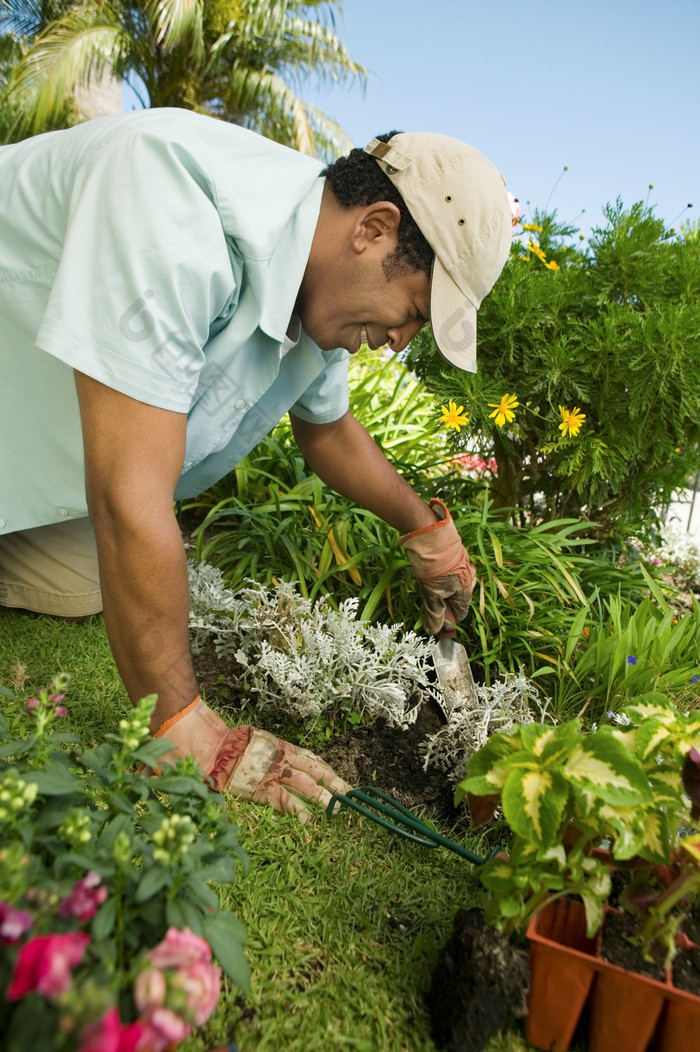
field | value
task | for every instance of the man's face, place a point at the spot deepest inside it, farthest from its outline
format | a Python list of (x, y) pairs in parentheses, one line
[(352, 302)]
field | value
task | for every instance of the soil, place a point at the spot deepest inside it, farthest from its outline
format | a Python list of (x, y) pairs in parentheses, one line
[(479, 986), (617, 949), (389, 758)]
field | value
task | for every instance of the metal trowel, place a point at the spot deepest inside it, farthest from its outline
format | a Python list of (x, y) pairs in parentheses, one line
[(453, 670)]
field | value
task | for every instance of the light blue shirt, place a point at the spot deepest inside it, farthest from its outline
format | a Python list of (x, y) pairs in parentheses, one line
[(161, 253)]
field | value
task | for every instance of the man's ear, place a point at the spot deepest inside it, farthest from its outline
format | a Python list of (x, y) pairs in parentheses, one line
[(377, 222)]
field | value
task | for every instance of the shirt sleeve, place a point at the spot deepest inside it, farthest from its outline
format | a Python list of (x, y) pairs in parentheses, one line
[(144, 270), (327, 398)]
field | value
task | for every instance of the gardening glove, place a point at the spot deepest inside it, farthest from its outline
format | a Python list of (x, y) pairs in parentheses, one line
[(250, 764), (444, 571)]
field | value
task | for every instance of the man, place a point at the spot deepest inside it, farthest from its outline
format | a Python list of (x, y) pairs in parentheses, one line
[(170, 286)]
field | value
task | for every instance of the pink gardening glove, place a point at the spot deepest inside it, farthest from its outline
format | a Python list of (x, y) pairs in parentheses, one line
[(444, 571), (249, 763)]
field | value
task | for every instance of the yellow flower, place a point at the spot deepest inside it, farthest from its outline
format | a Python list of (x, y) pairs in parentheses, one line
[(552, 265), (504, 410), (571, 420), (537, 251), (454, 416), (533, 228)]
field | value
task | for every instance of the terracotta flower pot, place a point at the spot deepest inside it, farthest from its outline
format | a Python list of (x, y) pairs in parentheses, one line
[(625, 1009)]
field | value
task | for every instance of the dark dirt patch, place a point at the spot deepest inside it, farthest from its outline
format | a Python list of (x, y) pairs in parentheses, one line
[(686, 971), (479, 986), (619, 928), (389, 758)]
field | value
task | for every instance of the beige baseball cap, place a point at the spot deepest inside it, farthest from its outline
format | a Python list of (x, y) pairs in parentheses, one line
[(458, 199)]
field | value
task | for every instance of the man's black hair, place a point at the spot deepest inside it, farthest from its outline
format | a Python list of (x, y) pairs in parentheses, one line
[(358, 180)]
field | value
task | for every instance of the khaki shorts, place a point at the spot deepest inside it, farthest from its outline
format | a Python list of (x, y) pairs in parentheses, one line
[(51, 569)]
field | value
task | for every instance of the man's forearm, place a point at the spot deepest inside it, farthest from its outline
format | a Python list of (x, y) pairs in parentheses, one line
[(143, 575), (348, 460)]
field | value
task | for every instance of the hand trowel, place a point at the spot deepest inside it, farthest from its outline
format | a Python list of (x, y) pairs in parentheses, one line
[(453, 670)]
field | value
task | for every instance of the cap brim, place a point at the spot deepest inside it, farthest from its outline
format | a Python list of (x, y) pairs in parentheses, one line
[(453, 320)]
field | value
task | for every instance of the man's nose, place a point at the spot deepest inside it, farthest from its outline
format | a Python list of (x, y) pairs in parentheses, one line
[(400, 336)]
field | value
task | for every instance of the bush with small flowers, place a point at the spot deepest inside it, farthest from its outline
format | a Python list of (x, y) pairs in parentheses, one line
[(110, 923)]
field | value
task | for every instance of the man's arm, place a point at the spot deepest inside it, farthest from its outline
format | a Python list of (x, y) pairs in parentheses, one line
[(346, 457), (133, 460)]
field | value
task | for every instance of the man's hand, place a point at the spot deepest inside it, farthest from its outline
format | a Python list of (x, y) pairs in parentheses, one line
[(249, 763), (442, 567)]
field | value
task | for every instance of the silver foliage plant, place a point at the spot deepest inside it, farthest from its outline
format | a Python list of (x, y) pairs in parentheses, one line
[(501, 705), (676, 548), (305, 657)]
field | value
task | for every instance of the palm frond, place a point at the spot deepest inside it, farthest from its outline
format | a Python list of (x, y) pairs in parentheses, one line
[(177, 21), (68, 53)]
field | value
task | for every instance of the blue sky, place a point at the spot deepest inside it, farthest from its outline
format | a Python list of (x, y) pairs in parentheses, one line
[(611, 89)]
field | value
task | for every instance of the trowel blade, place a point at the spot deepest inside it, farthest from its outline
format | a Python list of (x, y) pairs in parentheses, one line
[(454, 674)]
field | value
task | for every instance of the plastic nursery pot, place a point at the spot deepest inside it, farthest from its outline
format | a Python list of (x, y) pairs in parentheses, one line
[(562, 969), (626, 1009)]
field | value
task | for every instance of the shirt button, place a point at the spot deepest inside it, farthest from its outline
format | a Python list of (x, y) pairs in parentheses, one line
[(240, 404), (2, 524), (63, 512)]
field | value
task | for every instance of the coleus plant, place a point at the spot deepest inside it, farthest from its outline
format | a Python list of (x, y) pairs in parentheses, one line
[(628, 786)]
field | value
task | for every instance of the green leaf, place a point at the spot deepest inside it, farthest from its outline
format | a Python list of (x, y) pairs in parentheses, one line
[(191, 915), (55, 780), (226, 936), (205, 895), (223, 870), (181, 785), (104, 920), (153, 881)]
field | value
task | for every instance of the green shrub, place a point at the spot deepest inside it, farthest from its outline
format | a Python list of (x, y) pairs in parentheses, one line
[(613, 332)]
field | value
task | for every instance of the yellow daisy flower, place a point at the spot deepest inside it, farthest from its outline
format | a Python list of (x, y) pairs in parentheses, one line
[(571, 420), (504, 410), (552, 265), (454, 416), (537, 251), (533, 228)]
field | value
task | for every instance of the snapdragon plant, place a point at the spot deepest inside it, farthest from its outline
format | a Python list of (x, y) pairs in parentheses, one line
[(100, 861)]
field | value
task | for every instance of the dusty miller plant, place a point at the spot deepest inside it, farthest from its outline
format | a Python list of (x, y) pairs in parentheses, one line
[(677, 548), (306, 658), (506, 702)]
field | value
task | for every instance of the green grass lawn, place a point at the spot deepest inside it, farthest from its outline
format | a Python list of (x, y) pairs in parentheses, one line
[(344, 919)]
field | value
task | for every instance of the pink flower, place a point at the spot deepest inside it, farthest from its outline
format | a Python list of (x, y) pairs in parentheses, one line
[(84, 899), (202, 985), (44, 964), (179, 949), (150, 989), (161, 1028), (33, 703), (108, 1035), (13, 923), (514, 208)]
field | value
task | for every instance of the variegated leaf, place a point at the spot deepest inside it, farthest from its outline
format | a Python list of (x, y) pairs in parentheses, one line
[(626, 826), (651, 736), (646, 706), (603, 765), (656, 842), (594, 912), (496, 875), (533, 803)]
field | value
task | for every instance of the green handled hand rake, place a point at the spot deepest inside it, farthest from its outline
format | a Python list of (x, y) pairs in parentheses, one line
[(373, 803)]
